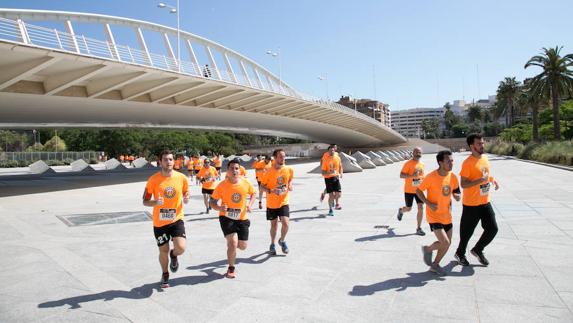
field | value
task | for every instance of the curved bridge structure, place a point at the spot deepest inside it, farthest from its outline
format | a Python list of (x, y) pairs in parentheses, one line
[(57, 78)]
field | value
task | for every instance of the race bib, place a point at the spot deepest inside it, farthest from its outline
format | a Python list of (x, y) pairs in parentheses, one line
[(167, 214), (281, 189), (233, 214), (416, 182), (484, 189)]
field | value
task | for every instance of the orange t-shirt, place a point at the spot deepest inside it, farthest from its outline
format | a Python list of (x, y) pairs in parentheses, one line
[(439, 190), (243, 171), (472, 169), (410, 167), (209, 175), (235, 196), (189, 164), (176, 164), (198, 163), (331, 164), (172, 190), (277, 178), (218, 161), (259, 167)]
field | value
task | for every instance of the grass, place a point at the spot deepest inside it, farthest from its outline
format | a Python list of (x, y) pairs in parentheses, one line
[(554, 152)]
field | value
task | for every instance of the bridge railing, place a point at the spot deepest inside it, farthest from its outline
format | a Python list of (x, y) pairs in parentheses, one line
[(22, 32)]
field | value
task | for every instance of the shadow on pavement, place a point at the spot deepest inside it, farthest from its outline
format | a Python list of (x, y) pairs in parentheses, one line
[(412, 280), (389, 234), (252, 260), (320, 216), (140, 292)]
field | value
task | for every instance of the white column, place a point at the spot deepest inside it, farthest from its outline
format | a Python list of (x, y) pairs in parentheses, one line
[(230, 68), (70, 30), (214, 67), (23, 32), (244, 70), (143, 46), (169, 49), (111, 41), (193, 57), (258, 78)]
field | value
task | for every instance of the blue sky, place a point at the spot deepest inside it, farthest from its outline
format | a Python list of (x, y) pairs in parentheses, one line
[(417, 53)]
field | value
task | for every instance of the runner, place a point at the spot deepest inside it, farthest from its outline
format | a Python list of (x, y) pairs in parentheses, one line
[(332, 172), (440, 185), (197, 165), (190, 172), (476, 179), (218, 163), (277, 182), (169, 189), (177, 163), (259, 165), (242, 171), (207, 176), (325, 155), (413, 173), (230, 199)]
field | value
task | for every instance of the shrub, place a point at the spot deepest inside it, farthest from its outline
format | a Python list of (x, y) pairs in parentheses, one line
[(554, 152)]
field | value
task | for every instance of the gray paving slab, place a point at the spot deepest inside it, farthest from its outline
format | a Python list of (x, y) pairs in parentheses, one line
[(362, 265)]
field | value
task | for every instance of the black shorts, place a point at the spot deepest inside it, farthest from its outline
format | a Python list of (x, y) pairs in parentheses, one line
[(167, 232), (332, 184), (207, 191), (409, 198), (217, 169), (259, 182), (272, 214), (241, 227), (435, 226)]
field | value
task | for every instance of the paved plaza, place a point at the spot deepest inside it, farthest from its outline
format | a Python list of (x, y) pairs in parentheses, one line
[(88, 254)]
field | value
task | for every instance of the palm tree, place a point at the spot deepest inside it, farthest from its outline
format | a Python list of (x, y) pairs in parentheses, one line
[(507, 92), (556, 80)]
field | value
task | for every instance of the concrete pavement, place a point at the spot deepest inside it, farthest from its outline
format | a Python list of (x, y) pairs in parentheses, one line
[(360, 265)]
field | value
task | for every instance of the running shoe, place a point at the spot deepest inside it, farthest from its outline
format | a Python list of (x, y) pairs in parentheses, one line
[(338, 207), (273, 250), (330, 212), (480, 256), (321, 197), (174, 264), (438, 270), (230, 272), (462, 260), (260, 205), (284, 246), (427, 255), (164, 282), (400, 214), (207, 211), (420, 232)]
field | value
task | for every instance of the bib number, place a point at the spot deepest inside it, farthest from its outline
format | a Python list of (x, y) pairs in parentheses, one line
[(484, 189), (167, 214), (416, 182), (233, 214)]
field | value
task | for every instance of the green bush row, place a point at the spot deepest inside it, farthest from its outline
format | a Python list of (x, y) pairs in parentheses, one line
[(550, 152)]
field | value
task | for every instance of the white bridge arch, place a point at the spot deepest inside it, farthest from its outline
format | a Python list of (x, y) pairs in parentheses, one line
[(56, 78)]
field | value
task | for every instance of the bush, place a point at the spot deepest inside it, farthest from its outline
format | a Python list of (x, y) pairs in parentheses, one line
[(506, 148), (8, 163), (55, 162), (555, 153), (93, 161)]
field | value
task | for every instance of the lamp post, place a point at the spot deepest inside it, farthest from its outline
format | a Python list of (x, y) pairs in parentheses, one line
[(176, 11), (325, 78), (277, 54)]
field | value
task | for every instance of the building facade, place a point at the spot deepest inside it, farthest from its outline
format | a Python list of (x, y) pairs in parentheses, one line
[(372, 108), (409, 122)]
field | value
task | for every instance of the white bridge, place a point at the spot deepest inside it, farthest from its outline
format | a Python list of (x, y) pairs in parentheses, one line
[(58, 78)]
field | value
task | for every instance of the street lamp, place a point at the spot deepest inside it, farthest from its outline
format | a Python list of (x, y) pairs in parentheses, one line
[(174, 10), (325, 78), (277, 54)]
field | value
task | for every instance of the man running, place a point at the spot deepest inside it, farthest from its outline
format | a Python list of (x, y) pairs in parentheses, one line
[(218, 163), (332, 172), (259, 165), (197, 165), (440, 185), (413, 173), (207, 176), (476, 181), (230, 199), (190, 172), (277, 182), (168, 188)]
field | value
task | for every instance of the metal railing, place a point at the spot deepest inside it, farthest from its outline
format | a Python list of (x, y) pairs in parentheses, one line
[(21, 32), (33, 156)]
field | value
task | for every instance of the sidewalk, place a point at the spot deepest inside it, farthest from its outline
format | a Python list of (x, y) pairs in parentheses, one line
[(361, 265)]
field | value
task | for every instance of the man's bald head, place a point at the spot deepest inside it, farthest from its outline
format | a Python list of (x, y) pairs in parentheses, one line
[(417, 153)]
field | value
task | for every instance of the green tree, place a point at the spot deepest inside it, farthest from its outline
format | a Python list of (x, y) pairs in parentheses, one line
[(431, 128), (555, 81), (450, 119), (460, 130), (475, 113), (13, 141), (507, 92), (55, 144)]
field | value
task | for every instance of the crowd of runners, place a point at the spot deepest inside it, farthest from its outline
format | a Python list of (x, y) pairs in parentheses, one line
[(233, 197)]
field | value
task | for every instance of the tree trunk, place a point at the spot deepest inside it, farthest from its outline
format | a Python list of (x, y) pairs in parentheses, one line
[(534, 117), (556, 125)]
